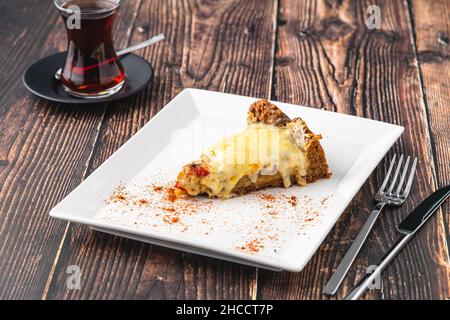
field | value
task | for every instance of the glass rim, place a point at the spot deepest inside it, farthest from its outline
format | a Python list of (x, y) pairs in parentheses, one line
[(60, 3)]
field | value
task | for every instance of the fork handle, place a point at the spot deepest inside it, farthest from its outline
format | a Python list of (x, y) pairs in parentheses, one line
[(336, 279)]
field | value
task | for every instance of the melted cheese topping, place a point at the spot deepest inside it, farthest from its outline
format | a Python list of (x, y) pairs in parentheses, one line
[(259, 150)]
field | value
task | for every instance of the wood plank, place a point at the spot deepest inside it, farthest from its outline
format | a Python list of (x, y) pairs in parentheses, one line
[(326, 57), (213, 45), (431, 21), (45, 149)]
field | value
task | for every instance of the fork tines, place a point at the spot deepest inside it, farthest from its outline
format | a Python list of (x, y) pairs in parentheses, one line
[(398, 195)]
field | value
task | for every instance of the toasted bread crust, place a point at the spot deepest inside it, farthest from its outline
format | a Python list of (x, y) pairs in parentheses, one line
[(268, 113), (317, 162), (245, 185)]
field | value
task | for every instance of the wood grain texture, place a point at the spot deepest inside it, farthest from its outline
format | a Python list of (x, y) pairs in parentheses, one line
[(211, 45), (317, 53), (431, 26), (44, 151), (326, 57)]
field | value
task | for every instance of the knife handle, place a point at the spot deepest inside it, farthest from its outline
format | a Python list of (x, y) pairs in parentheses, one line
[(424, 210), (339, 275), (363, 284)]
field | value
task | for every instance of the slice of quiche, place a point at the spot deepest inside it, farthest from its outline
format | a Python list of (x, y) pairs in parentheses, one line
[(273, 151)]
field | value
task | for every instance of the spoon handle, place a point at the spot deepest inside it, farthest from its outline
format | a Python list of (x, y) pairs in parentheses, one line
[(141, 45)]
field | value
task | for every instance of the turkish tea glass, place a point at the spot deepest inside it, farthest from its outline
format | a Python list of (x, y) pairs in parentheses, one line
[(91, 69)]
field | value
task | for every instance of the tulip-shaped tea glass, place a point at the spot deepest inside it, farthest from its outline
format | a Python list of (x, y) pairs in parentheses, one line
[(91, 69)]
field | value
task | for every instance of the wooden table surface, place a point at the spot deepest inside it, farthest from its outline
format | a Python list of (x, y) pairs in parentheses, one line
[(314, 53)]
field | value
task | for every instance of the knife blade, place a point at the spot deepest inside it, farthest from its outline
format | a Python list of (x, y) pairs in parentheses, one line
[(408, 228)]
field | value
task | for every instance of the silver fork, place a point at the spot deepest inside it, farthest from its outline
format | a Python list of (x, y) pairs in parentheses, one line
[(384, 197)]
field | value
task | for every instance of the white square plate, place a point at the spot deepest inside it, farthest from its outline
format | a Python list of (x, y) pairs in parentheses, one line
[(278, 229)]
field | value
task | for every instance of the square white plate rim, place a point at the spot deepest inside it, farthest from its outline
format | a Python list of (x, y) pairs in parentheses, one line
[(186, 248), (227, 254)]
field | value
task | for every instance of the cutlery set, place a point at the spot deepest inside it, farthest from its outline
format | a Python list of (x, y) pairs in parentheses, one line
[(394, 195)]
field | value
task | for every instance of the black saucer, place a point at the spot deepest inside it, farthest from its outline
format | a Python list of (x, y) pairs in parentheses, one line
[(39, 78)]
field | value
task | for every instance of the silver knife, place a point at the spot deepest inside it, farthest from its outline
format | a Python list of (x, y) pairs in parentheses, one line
[(408, 227)]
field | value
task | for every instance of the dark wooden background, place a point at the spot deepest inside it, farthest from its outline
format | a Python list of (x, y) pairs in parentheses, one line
[(315, 53)]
